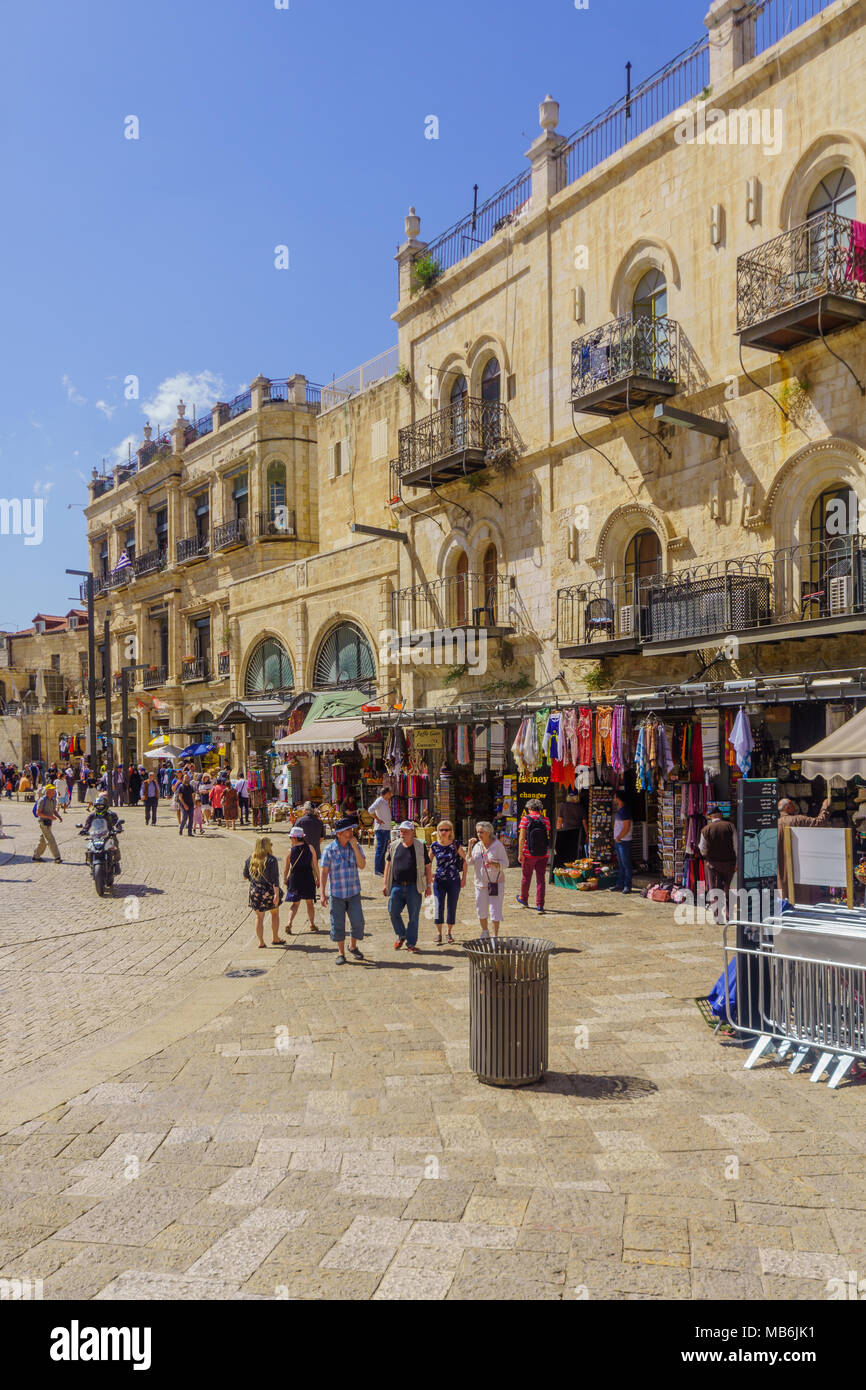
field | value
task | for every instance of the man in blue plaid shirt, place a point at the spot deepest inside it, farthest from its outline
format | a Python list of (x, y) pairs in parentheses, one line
[(341, 860)]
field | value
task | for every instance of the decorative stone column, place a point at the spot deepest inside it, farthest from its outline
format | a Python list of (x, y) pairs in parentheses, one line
[(179, 428), (731, 43), (297, 392), (175, 521), (259, 392), (543, 154), (407, 253)]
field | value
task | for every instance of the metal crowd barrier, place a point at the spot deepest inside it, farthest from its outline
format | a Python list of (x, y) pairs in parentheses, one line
[(801, 987)]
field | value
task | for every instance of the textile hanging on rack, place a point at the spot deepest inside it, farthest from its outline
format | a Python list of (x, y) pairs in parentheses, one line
[(518, 748), (569, 736), (551, 741), (497, 745), (541, 718), (697, 753), (562, 774), (482, 736), (583, 754), (464, 757), (710, 735), (643, 778), (666, 764), (395, 754), (730, 751), (530, 744), (603, 734), (742, 742)]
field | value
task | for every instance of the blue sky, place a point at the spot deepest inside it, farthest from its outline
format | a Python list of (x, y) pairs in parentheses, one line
[(258, 127)]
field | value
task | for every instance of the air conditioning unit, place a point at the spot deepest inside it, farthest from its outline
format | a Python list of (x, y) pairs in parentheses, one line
[(626, 620), (840, 595)]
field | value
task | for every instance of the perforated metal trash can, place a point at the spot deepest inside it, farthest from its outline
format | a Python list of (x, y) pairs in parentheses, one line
[(508, 994)]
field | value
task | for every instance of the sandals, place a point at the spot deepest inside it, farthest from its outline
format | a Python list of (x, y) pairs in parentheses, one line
[(450, 939)]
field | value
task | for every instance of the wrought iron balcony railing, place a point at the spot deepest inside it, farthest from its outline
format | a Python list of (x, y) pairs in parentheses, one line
[(118, 578), (197, 670), (240, 404), (154, 677), (279, 522), (152, 562), (464, 437), (787, 589), (628, 361), (809, 280), (117, 682), (156, 448), (457, 601), (193, 548), (230, 533), (223, 664), (199, 428), (99, 688)]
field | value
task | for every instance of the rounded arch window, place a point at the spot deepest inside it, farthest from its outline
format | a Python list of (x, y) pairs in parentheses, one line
[(489, 565), (643, 561), (461, 589), (204, 716), (269, 669), (345, 658), (459, 391), (651, 296), (836, 193), (276, 488), (491, 382)]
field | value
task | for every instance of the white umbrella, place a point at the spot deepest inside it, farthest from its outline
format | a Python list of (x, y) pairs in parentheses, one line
[(167, 751)]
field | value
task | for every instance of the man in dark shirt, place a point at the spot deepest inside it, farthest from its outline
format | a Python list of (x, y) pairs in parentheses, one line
[(186, 797), (408, 879), (718, 845), (312, 826)]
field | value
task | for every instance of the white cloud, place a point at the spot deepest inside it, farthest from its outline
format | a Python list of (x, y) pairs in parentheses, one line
[(73, 393), (41, 489), (121, 453), (107, 410), (198, 391)]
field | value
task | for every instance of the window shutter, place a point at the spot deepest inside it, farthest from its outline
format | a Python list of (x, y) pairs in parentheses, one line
[(344, 455), (332, 467), (380, 439)]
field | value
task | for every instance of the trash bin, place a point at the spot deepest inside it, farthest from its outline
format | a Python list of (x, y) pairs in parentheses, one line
[(508, 990)]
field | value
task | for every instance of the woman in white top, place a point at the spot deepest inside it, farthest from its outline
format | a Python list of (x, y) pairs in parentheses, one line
[(489, 862)]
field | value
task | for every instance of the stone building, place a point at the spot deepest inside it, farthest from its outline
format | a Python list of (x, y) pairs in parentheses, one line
[(43, 684)]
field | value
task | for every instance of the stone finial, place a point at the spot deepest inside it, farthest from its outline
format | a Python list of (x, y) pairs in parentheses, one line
[(548, 113), (181, 410), (412, 225), (148, 431)]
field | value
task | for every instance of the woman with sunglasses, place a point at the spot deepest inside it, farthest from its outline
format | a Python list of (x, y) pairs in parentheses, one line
[(449, 878)]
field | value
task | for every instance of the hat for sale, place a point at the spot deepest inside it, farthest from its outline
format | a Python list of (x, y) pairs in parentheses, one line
[(407, 825), (296, 833)]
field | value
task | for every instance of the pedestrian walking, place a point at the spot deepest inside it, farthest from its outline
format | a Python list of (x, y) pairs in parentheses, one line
[(718, 845), (134, 786), (489, 862), (622, 832), (313, 827), (302, 878), (408, 880), (341, 862), (533, 849), (81, 782), (197, 815), (230, 806), (242, 787), (46, 814), (151, 799), (263, 873), (380, 810), (186, 797), (216, 801), (449, 878)]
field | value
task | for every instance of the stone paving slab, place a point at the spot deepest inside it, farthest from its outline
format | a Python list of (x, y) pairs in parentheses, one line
[(169, 1132)]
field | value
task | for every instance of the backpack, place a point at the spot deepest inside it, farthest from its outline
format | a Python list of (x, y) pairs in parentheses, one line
[(536, 836)]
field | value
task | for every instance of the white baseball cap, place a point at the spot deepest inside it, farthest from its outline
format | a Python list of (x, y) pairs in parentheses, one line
[(296, 833), (407, 825)]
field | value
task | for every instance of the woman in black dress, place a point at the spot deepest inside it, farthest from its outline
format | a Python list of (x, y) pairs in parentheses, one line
[(263, 873), (302, 878)]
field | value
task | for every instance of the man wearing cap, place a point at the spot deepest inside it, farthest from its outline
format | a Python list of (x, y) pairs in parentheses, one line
[(46, 813), (718, 845), (341, 860), (789, 814), (408, 880)]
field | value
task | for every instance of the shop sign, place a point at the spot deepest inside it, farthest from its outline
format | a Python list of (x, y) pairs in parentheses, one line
[(427, 738), (536, 784), (758, 835)]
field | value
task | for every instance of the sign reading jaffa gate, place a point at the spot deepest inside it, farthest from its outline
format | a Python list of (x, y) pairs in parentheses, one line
[(536, 784), (427, 738)]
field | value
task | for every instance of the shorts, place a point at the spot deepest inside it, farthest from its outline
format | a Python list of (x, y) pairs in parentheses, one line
[(488, 907), (341, 908)]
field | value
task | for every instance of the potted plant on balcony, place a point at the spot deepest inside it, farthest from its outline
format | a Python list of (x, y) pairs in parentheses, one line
[(425, 272)]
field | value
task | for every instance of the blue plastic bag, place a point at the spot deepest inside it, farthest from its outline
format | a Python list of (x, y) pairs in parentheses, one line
[(716, 996)]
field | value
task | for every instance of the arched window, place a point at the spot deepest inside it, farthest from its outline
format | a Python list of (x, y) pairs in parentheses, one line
[(643, 563), (269, 669), (276, 482), (345, 658), (491, 382), (836, 193), (833, 527), (203, 718), (489, 582), (651, 296), (461, 589), (459, 392)]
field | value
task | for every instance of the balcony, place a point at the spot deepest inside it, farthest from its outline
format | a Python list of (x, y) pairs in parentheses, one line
[(805, 283), (154, 677), (223, 664), (99, 688), (198, 429), (196, 670), (475, 602), (278, 524), (153, 562), (230, 534), (816, 589), (240, 405), (193, 548), (626, 363), (117, 682), (119, 578), (449, 444)]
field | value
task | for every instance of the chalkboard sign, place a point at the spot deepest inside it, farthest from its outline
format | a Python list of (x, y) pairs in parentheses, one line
[(757, 852)]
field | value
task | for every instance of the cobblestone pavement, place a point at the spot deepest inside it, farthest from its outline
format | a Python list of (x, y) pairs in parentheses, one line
[(168, 1131)]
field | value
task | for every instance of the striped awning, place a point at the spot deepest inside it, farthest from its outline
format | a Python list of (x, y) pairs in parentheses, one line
[(324, 736)]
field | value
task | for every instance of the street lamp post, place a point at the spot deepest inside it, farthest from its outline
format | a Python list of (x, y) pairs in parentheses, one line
[(91, 663), (124, 716)]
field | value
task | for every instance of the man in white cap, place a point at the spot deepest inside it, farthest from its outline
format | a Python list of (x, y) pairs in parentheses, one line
[(341, 860), (408, 880)]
